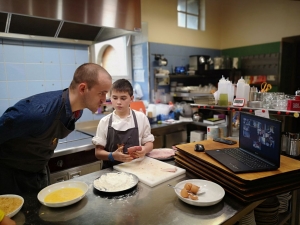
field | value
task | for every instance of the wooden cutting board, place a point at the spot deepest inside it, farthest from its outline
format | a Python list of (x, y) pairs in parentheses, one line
[(150, 171)]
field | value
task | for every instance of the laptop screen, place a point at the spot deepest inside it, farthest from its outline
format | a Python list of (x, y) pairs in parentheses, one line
[(261, 136)]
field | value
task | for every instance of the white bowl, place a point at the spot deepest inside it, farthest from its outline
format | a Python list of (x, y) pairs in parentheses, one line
[(65, 184), (214, 193), (16, 210)]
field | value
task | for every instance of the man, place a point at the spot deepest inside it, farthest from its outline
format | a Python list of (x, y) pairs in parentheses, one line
[(31, 128), (124, 130)]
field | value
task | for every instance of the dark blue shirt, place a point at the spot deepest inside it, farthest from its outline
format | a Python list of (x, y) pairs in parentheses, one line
[(32, 116)]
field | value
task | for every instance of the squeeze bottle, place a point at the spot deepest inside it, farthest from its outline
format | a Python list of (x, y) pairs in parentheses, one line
[(240, 88), (223, 92)]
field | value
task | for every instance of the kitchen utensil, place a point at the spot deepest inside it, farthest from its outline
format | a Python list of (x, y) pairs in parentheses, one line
[(57, 186), (198, 193), (149, 170), (214, 193), (265, 87)]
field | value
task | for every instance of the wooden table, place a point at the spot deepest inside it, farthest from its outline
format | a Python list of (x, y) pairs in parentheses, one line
[(248, 187)]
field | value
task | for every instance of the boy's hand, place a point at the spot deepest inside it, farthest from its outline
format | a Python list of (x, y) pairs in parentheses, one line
[(136, 151), (120, 156)]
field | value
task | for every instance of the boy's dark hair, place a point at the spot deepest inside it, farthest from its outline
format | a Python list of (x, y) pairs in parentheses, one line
[(122, 85)]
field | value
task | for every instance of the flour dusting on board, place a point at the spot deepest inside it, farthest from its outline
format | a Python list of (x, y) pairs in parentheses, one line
[(150, 171)]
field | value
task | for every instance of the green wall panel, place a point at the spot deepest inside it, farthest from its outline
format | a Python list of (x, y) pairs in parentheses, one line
[(273, 47)]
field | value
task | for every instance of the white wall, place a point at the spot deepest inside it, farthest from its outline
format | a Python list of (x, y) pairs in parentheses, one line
[(229, 23)]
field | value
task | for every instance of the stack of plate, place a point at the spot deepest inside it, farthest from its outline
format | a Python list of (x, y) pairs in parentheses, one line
[(267, 212), (249, 219), (284, 201)]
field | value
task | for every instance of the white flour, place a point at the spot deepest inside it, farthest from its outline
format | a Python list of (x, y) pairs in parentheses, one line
[(114, 181)]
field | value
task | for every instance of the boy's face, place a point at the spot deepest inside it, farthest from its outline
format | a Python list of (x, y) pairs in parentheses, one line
[(120, 101)]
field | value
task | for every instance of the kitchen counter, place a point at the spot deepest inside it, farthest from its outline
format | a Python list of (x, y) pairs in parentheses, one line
[(81, 139), (142, 205), (90, 127), (74, 142)]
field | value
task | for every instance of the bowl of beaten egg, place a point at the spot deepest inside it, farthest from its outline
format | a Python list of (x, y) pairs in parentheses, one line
[(63, 194)]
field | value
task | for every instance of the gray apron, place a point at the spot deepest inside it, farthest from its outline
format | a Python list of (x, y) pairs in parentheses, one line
[(23, 166), (128, 137)]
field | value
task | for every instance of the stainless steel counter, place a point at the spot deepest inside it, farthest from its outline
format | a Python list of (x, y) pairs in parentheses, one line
[(74, 142), (141, 206)]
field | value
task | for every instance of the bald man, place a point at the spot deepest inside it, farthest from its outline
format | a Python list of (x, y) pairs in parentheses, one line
[(31, 128)]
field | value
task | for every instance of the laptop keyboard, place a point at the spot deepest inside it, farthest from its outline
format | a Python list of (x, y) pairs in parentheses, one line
[(245, 158)]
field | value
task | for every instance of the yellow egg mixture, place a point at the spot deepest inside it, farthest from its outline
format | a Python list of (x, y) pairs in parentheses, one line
[(63, 195)]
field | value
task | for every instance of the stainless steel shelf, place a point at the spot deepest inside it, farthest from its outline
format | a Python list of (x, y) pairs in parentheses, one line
[(245, 109)]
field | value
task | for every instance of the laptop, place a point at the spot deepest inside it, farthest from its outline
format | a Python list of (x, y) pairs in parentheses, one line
[(259, 145)]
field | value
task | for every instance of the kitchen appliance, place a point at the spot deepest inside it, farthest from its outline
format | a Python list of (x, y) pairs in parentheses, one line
[(84, 22), (199, 63)]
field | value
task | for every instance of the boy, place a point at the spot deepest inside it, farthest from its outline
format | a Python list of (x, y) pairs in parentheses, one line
[(124, 130)]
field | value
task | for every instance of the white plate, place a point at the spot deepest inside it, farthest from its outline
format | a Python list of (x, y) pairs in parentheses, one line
[(57, 186), (214, 193), (135, 181), (16, 210)]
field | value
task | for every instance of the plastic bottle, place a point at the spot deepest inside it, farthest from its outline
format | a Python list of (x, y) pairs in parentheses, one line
[(246, 92), (230, 90), (223, 92), (240, 93)]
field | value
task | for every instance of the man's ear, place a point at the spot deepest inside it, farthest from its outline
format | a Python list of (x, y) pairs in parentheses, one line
[(82, 87)]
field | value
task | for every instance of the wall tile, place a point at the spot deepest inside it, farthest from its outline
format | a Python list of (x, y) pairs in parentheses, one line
[(81, 55), (50, 54), (67, 72), (52, 71), (4, 104), (34, 71), (2, 72), (3, 90), (35, 87), (33, 54), (67, 55), (17, 89), (65, 84), (13, 53), (1, 53), (53, 85), (15, 72)]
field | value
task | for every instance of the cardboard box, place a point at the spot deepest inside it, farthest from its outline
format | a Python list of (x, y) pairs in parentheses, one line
[(196, 135)]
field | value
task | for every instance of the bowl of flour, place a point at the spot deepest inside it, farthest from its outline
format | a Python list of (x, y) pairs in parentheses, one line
[(115, 182)]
